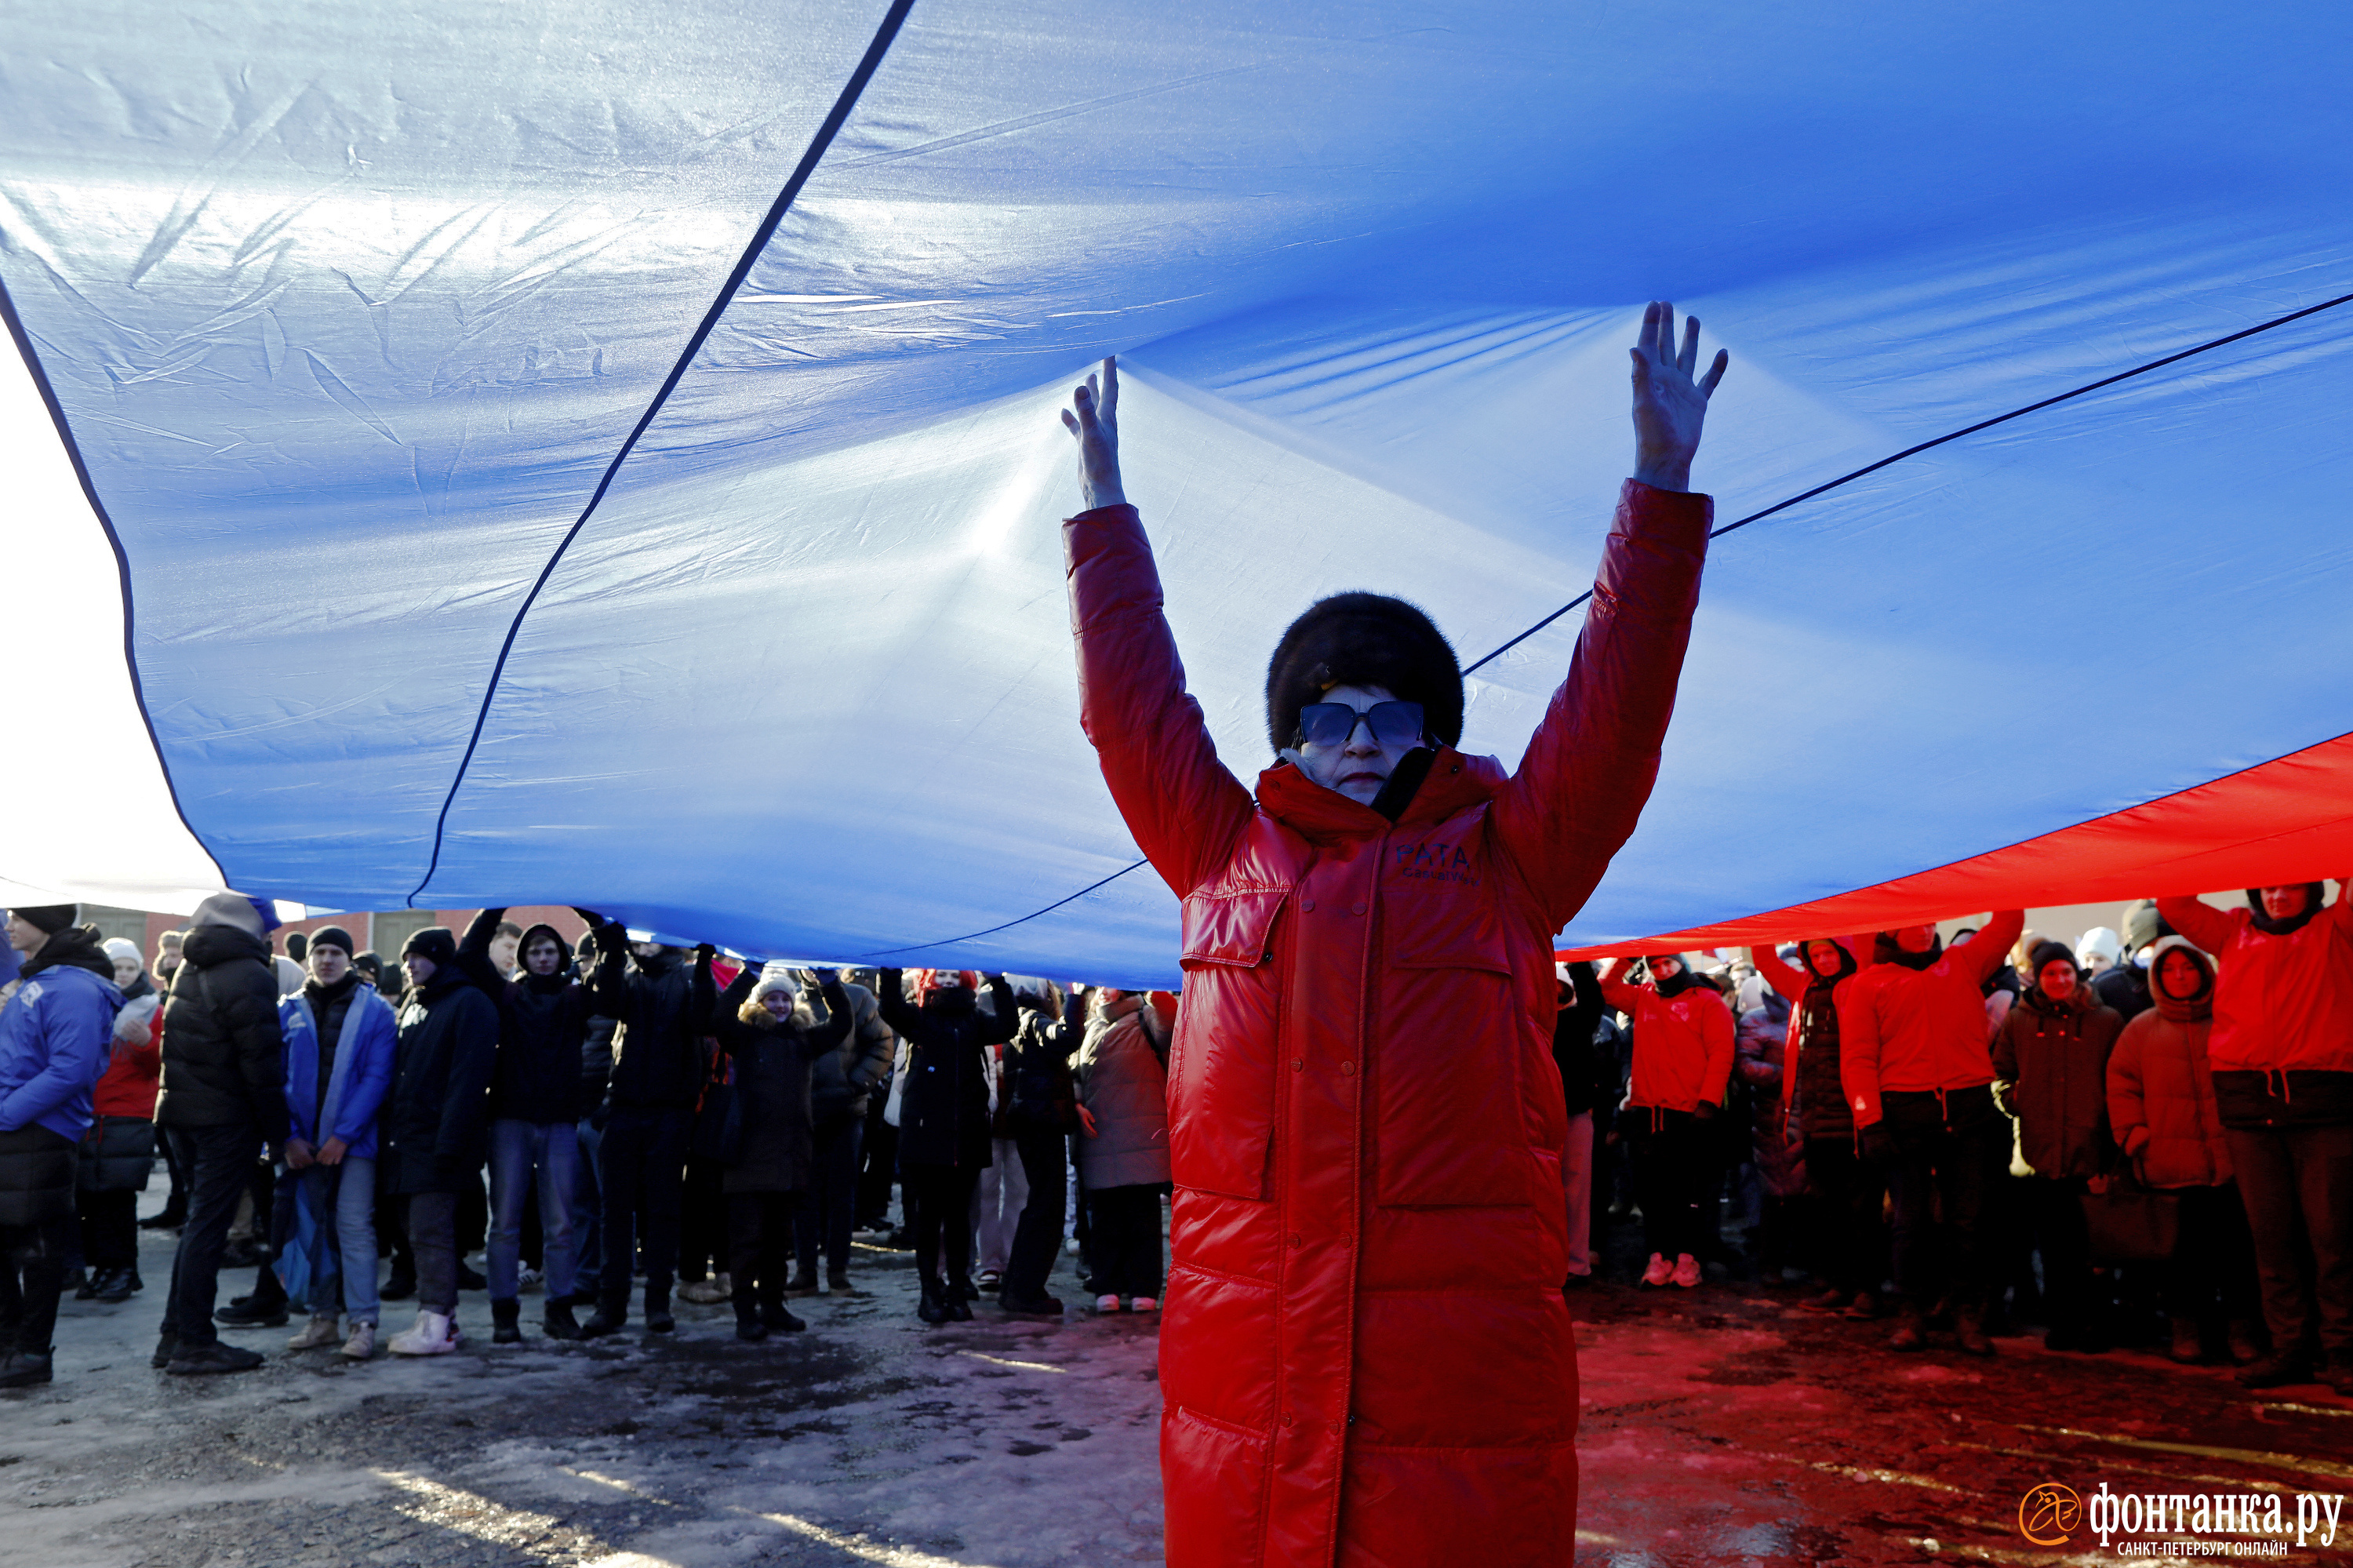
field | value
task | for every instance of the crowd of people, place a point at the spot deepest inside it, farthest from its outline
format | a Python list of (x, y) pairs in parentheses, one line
[(609, 1123), (2144, 1138), (2135, 1135)]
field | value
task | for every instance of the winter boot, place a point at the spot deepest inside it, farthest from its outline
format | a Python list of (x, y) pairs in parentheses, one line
[(838, 1284), (200, 1359), (506, 1322), (658, 1314), (933, 1306), (777, 1318), (325, 1328), (610, 1317), (1911, 1329), (1016, 1305), (2278, 1370), (1969, 1328), (433, 1335), (262, 1310), (557, 1322), (2246, 1345), (2188, 1348), (23, 1369)]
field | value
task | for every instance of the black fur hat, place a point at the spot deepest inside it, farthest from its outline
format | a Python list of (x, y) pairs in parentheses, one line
[(1364, 639)]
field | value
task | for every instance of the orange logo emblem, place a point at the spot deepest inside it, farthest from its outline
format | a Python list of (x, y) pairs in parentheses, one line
[(2048, 1515)]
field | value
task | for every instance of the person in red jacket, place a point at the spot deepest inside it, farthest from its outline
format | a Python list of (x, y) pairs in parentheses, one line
[(1682, 1060), (2161, 1109), (1364, 1120), (1913, 1060), (1848, 1245), (2282, 1054)]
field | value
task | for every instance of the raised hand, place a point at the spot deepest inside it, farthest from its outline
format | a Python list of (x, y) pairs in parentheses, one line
[(1096, 427), (1669, 406)]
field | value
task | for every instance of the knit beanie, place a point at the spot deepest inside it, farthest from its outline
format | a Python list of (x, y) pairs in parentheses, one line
[(434, 942), (48, 918), (1364, 639), (119, 948), (2048, 953), (333, 936)]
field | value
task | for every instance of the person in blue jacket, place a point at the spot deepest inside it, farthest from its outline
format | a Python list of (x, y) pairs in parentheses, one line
[(341, 1038), (55, 1031)]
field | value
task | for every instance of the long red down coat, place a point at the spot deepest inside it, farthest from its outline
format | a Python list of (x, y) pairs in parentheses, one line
[(1365, 1356)]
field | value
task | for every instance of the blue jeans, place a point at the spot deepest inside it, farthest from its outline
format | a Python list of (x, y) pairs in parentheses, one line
[(350, 1187), (588, 1209), (517, 1149)]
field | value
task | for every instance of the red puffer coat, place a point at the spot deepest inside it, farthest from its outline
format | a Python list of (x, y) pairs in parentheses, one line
[(1364, 1355), (2281, 1003), (1682, 1044), (2159, 1079)]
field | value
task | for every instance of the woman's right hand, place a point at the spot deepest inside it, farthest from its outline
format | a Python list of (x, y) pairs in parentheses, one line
[(1086, 1121)]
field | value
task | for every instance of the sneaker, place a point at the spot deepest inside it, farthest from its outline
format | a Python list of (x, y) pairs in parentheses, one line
[(324, 1330), (529, 1278), (1145, 1304), (1686, 1273), (433, 1335), (705, 1292), (1071, 1247), (1658, 1270), (1106, 1303), (362, 1343), (116, 1285), (991, 1280), (195, 1360), (23, 1369)]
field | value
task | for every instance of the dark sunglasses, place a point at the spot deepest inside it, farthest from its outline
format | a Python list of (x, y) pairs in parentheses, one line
[(1331, 724)]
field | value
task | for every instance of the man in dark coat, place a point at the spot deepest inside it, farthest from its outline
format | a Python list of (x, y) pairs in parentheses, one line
[(1042, 1113), (534, 1113), (223, 1097), (660, 1003), (433, 1123), (54, 1033)]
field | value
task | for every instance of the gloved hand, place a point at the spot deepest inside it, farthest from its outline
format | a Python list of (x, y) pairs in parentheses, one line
[(1878, 1143), (1704, 1111)]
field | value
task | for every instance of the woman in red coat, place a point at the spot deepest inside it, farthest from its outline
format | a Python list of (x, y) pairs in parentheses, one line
[(1366, 1356), (1681, 1063)]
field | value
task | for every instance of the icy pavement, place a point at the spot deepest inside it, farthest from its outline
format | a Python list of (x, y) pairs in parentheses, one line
[(1721, 1425)]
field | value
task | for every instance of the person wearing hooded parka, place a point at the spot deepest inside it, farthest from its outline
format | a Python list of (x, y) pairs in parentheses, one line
[(2052, 1051), (1365, 1122), (2162, 1111), (54, 1026), (944, 1138), (771, 1049), (117, 1153), (1846, 1244), (434, 1122), (341, 1039), (2282, 1053), (1919, 1078), (1683, 1045)]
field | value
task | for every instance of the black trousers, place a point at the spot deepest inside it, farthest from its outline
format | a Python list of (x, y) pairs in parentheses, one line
[(110, 1228), (2213, 1269), (1126, 1240), (1038, 1235), (645, 1166), (759, 1249), (2056, 1207), (32, 1274), (1846, 1244), (825, 1220), (703, 1221), (878, 1167), (2297, 1183), (219, 1161), (1949, 1147), (1673, 1177), (939, 1207)]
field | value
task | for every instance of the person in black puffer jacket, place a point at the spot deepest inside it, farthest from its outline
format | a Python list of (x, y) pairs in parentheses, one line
[(1042, 1111), (660, 1003), (223, 1097), (534, 1114), (842, 1081), (1576, 1019), (435, 1122), (943, 1134), (771, 1051)]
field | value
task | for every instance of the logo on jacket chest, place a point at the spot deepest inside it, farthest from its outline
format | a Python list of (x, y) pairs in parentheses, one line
[(1435, 861)]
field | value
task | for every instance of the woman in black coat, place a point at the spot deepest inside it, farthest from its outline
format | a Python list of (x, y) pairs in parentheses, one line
[(944, 1131), (766, 1172)]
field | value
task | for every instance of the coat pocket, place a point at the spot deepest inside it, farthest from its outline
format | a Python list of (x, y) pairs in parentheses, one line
[(1445, 1073), (1222, 1065)]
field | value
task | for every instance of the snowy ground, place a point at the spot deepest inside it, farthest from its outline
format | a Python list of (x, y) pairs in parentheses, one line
[(1721, 1425)]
